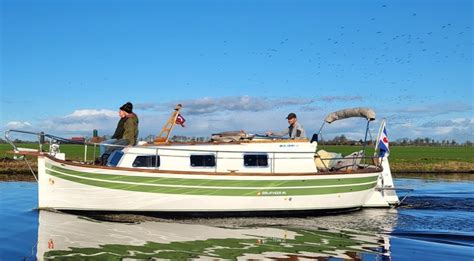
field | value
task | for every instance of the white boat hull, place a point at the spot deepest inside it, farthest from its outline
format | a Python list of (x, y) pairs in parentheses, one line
[(69, 187)]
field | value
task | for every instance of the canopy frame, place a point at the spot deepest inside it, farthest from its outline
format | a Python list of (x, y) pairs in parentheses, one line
[(359, 112)]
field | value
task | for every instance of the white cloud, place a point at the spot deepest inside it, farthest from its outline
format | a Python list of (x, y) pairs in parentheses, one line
[(340, 98), (437, 109), (256, 115), (460, 122), (460, 129), (210, 105), (82, 122), (18, 125), (93, 113)]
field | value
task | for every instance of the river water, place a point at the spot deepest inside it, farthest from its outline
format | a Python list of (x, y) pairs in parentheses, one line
[(435, 223)]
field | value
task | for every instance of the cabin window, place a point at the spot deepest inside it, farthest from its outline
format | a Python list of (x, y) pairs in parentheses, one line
[(150, 161), (114, 158), (203, 160), (256, 160)]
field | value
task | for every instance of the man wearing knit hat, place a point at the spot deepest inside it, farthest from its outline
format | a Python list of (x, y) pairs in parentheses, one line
[(125, 134)]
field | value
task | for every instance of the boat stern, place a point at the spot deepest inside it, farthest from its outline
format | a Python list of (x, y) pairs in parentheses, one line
[(384, 194)]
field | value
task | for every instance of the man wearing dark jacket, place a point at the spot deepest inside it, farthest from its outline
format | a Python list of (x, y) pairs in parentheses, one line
[(126, 132), (130, 127), (119, 130)]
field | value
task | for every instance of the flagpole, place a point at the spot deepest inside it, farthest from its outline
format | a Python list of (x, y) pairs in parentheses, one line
[(174, 121), (382, 125), (165, 132)]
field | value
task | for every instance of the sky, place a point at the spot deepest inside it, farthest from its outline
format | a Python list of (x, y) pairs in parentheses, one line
[(68, 65)]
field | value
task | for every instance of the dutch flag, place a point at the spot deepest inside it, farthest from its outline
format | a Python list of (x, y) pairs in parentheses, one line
[(383, 143)]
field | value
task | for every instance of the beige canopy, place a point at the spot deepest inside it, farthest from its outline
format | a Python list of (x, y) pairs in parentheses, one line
[(367, 113)]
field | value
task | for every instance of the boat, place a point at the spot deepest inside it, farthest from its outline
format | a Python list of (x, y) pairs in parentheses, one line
[(242, 174)]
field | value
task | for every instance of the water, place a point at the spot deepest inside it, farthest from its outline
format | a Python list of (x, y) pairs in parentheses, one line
[(436, 223)]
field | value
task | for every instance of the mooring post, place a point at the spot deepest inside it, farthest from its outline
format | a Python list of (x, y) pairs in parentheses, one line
[(85, 152)]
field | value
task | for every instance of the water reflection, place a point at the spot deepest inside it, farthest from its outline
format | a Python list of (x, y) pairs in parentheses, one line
[(435, 223), (74, 237)]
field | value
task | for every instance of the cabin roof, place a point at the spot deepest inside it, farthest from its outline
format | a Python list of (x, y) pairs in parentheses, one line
[(225, 143)]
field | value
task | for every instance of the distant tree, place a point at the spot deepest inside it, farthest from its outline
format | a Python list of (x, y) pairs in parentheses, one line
[(427, 141), (418, 141), (404, 141), (342, 140), (150, 138)]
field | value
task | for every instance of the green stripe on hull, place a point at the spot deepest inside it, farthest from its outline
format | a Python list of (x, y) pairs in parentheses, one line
[(213, 191), (219, 183)]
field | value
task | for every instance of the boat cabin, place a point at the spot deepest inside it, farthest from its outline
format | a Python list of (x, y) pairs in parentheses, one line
[(255, 157)]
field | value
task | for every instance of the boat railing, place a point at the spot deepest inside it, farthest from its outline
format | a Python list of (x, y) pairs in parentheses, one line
[(11, 142), (161, 151), (347, 163), (54, 142)]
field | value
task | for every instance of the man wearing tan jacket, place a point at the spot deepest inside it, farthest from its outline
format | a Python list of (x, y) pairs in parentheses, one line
[(295, 131)]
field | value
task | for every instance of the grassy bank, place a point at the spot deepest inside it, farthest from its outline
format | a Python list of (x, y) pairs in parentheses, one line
[(73, 152), (420, 158), (17, 170), (402, 158)]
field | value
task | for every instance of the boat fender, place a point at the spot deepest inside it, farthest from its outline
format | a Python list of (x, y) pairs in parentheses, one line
[(50, 244)]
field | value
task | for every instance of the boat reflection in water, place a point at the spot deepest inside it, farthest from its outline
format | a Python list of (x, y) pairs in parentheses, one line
[(74, 237)]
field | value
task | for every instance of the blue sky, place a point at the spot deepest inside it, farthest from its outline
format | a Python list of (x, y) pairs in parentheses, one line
[(66, 66)]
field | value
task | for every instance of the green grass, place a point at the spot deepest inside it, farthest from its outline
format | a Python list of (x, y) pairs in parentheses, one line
[(399, 154), (73, 152)]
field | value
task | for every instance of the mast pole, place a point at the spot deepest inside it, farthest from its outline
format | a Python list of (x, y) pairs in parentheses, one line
[(165, 132)]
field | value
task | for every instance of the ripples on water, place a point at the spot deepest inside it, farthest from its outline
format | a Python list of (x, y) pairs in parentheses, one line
[(436, 223), (437, 219)]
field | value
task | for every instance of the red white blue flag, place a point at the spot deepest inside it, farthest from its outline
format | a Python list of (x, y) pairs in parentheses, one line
[(383, 143)]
